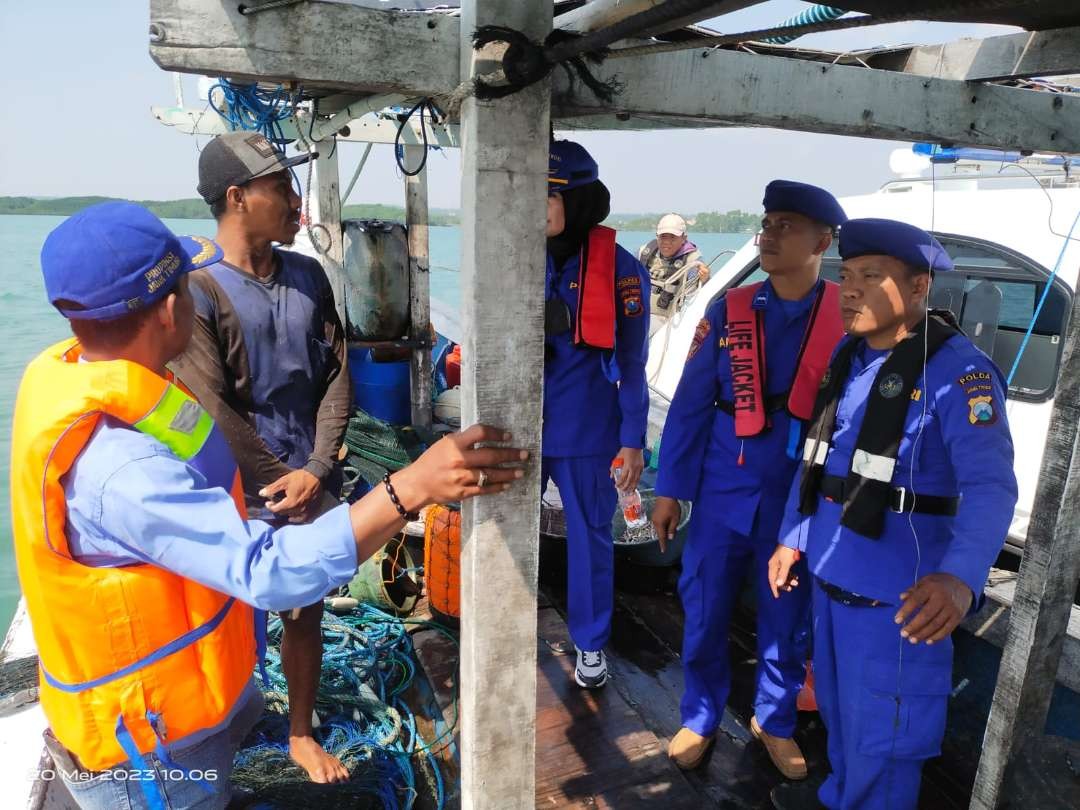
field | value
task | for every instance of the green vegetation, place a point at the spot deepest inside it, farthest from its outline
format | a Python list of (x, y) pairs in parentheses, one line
[(707, 222), (65, 206)]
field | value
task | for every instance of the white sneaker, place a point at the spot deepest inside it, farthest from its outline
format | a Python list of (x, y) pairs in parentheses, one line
[(591, 669)]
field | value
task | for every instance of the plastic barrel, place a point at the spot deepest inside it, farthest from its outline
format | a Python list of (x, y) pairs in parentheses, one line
[(380, 389), (442, 562)]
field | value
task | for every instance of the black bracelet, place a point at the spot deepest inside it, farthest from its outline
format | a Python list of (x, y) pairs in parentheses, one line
[(397, 503)]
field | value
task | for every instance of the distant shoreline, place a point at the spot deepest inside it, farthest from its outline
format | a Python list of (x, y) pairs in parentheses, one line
[(705, 222)]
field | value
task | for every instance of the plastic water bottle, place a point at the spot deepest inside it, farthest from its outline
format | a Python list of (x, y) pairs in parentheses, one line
[(629, 502)]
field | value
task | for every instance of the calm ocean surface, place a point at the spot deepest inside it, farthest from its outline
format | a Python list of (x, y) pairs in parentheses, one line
[(28, 324)]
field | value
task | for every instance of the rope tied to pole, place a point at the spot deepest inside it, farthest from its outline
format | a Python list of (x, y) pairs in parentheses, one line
[(526, 62)]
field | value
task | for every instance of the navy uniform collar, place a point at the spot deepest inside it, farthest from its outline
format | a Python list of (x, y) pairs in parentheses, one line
[(765, 294)]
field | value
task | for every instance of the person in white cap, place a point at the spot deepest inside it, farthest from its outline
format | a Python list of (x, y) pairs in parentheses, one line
[(674, 264)]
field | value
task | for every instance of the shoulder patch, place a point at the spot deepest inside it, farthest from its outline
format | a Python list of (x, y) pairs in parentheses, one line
[(701, 334), (981, 411), (976, 382), (629, 291)]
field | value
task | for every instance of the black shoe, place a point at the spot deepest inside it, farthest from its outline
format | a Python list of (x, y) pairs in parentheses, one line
[(797, 796)]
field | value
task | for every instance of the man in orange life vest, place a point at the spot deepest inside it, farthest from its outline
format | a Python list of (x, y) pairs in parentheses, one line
[(596, 401), (730, 445), (138, 566)]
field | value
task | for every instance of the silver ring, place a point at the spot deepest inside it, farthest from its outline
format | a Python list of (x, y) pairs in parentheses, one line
[(482, 480)]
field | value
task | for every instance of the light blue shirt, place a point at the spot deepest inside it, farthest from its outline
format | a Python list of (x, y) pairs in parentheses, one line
[(131, 500)]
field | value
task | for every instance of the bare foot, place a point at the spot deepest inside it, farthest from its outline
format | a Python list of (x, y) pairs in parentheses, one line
[(320, 766)]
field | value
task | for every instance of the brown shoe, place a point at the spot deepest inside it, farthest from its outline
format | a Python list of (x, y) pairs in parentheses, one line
[(783, 751), (688, 748)]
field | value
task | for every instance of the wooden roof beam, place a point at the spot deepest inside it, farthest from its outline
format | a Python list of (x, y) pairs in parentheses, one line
[(744, 89), (315, 44), (1017, 56)]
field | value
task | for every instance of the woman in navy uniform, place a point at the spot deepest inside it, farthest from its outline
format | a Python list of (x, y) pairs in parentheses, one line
[(904, 501), (730, 445), (596, 400)]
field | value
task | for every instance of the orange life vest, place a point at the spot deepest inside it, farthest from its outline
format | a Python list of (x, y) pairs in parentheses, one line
[(595, 324), (746, 351), (135, 656)]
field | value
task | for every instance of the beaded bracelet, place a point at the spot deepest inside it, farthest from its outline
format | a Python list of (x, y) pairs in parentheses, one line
[(397, 503)]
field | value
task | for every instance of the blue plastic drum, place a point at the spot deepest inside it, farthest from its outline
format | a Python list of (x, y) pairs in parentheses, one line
[(380, 389)]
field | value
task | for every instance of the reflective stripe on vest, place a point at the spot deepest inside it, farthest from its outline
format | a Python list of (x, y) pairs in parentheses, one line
[(595, 325), (746, 354), (178, 422)]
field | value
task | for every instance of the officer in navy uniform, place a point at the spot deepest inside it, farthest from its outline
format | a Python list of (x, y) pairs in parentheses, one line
[(738, 474), (596, 399), (903, 503)]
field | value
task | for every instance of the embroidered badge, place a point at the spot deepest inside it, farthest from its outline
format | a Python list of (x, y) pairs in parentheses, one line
[(976, 382), (981, 411), (631, 306), (262, 146), (206, 249), (700, 334), (891, 386)]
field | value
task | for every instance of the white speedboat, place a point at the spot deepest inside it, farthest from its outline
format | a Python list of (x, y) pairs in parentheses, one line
[(1005, 223)]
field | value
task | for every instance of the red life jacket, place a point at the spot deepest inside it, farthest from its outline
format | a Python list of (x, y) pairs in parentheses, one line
[(595, 326), (746, 350)]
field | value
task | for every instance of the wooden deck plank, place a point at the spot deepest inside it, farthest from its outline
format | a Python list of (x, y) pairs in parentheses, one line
[(592, 748)]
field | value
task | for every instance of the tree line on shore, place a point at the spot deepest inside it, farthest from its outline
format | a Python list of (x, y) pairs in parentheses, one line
[(705, 222)]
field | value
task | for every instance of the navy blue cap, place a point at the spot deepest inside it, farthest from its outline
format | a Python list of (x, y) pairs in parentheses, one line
[(570, 166), (115, 258), (887, 237), (805, 199)]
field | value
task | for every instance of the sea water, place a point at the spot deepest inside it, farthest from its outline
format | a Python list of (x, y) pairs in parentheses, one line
[(28, 324)]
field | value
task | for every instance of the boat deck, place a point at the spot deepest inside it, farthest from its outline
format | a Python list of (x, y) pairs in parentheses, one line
[(607, 749)]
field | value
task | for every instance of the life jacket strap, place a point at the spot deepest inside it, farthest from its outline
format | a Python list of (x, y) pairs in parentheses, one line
[(153, 792), (164, 651), (901, 499), (774, 403)]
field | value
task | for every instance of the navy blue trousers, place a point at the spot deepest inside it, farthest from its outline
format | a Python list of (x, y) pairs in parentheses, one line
[(883, 701), (589, 500), (716, 562)]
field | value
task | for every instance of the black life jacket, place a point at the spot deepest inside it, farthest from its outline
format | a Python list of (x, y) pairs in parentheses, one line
[(868, 491)]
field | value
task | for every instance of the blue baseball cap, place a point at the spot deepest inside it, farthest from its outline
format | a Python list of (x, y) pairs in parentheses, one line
[(570, 166), (887, 237), (115, 258), (803, 198)]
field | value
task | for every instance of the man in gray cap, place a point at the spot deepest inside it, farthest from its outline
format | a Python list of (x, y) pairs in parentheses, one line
[(268, 360)]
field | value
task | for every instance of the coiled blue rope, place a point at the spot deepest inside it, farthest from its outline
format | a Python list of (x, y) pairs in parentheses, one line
[(368, 665), (250, 107)]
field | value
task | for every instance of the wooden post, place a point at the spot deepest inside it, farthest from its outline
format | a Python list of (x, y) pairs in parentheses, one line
[(503, 207), (324, 215), (416, 220), (1049, 572)]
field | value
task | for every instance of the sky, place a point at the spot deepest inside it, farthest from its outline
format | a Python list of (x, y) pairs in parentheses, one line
[(78, 84)]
